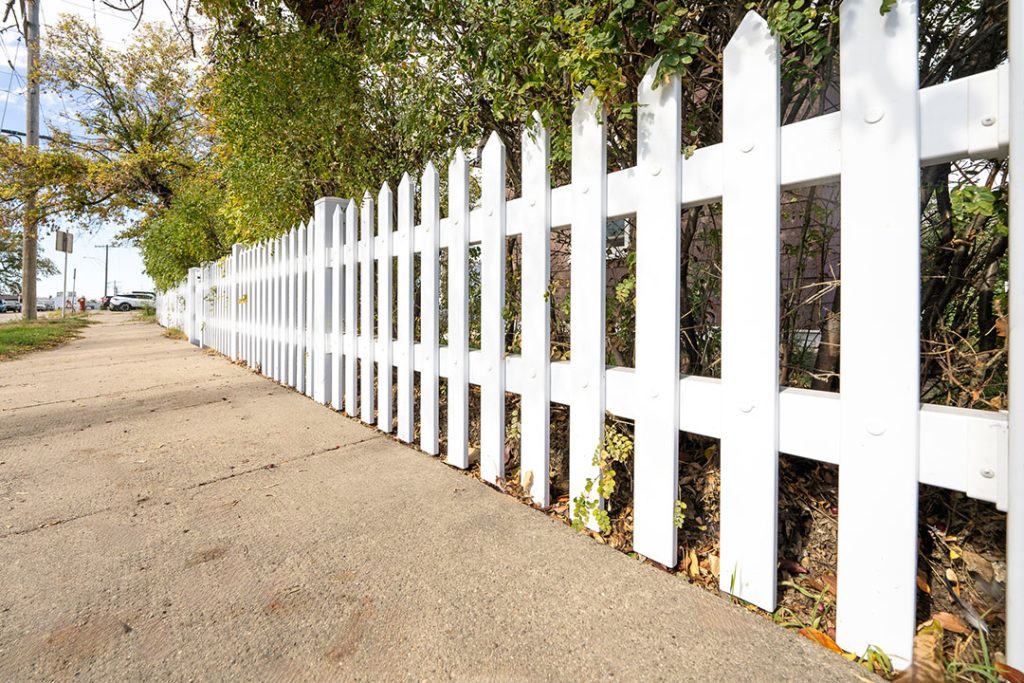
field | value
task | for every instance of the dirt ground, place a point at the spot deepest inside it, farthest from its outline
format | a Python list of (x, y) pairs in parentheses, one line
[(166, 515)]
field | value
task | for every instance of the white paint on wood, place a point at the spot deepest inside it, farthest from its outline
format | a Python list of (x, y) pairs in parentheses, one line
[(750, 315), (351, 338), (878, 470), (458, 311), (587, 290), (535, 411), (366, 309), (430, 215), (492, 305), (1014, 479), (656, 439), (403, 350), (385, 327), (337, 304)]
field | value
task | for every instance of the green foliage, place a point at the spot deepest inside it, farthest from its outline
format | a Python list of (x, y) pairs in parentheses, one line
[(191, 231), (616, 448)]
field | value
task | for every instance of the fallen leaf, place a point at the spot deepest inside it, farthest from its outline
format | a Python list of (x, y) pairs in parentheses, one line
[(694, 568), (979, 565), (830, 581), (951, 575), (528, 480), (951, 622), (820, 638), (1009, 673), (713, 565), (923, 584)]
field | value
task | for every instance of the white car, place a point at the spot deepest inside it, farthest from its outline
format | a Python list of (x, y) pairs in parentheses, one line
[(126, 302)]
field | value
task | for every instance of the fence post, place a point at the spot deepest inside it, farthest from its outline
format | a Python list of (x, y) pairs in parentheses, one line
[(310, 266), (749, 452), (1015, 464), (535, 412), (366, 310), (323, 214), (492, 306), (588, 281), (404, 359), (384, 309), (880, 396), (458, 311), (430, 217)]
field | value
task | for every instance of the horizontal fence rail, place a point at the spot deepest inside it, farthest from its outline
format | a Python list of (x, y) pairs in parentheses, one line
[(314, 309)]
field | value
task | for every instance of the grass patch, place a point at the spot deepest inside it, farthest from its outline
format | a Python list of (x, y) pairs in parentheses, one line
[(21, 337), (147, 314)]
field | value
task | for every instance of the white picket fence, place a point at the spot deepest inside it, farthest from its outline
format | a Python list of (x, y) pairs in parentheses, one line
[(288, 307)]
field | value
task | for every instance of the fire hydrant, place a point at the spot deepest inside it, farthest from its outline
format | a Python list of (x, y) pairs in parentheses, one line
[(81, 304)]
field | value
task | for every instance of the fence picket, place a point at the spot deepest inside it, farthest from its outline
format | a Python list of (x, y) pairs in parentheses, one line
[(430, 216), (300, 308), (750, 315), (535, 412), (587, 276), (337, 303), (366, 310), (322, 213), (351, 340), (289, 307), (1014, 490), (278, 301), (880, 394), (309, 261), (458, 311), (656, 436), (492, 305), (385, 329), (404, 349)]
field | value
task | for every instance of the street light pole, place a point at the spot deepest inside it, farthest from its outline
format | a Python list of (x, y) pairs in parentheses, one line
[(106, 260)]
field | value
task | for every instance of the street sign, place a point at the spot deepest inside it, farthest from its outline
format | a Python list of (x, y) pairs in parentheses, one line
[(65, 241)]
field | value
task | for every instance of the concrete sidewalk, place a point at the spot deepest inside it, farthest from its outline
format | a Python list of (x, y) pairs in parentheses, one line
[(167, 515)]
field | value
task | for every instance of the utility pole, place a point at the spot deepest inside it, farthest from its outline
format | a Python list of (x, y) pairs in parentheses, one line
[(106, 261), (28, 239)]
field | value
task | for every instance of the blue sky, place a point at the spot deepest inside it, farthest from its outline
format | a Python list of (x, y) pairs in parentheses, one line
[(125, 261)]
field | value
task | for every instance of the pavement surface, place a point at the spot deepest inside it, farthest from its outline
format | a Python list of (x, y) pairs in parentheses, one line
[(167, 515)]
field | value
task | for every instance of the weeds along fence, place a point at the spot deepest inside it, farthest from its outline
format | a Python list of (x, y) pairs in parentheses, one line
[(314, 309)]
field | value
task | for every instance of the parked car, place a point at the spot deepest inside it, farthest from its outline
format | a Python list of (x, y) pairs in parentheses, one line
[(92, 305), (13, 306), (104, 302), (45, 305), (3, 305), (130, 300)]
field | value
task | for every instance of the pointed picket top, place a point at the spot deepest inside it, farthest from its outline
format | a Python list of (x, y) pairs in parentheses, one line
[(649, 82), (535, 135), (405, 184), (587, 108), (429, 175), (493, 146), (752, 34), (457, 165), (384, 195)]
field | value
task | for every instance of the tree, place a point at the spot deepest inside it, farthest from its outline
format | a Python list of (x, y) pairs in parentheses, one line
[(133, 134)]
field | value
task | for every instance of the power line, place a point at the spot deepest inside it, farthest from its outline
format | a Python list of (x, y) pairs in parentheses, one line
[(10, 82)]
